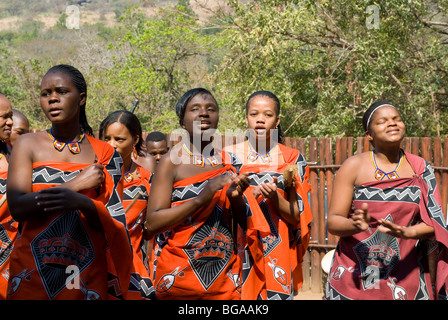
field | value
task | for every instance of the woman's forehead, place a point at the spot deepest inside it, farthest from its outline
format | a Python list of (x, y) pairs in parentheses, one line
[(263, 102), (202, 98), (57, 77), (385, 111)]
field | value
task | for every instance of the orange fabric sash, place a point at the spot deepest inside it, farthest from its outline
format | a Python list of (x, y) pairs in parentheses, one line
[(51, 250), (8, 235), (141, 285), (135, 200), (285, 245), (198, 260)]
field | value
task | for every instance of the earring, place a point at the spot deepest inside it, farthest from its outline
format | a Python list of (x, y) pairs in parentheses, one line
[(134, 153)]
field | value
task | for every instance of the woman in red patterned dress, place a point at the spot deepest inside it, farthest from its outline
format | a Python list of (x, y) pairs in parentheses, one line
[(386, 209)]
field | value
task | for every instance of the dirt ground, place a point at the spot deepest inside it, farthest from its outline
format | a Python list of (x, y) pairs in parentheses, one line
[(308, 295)]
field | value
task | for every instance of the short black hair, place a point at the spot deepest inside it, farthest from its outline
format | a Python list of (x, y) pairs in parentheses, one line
[(187, 96), (155, 136)]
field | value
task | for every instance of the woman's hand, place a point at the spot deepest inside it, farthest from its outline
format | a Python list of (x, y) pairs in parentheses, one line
[(53, 200), (361, 218), (212, 186), (418, 231), (59, 199), (269, 189), (89, 178), (238, 185)]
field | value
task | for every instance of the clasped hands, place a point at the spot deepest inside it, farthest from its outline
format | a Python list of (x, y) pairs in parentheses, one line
[(361, 220), (64, 197)]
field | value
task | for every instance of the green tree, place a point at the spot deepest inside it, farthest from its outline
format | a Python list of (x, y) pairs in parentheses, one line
[(20, 83), (157, 60), (328, 60)]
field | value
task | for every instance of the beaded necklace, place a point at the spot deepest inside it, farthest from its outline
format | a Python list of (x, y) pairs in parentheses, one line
[(253, 155), (73, 146), (198, 160), (380, 174), (128, 176)]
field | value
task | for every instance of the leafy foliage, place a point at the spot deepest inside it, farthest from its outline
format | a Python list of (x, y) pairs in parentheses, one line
[(157, 60), (326, 60), (327, 66)]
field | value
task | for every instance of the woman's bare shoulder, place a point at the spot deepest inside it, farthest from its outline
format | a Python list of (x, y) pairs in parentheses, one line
[(30, 140), (357, 159), (353, 164)]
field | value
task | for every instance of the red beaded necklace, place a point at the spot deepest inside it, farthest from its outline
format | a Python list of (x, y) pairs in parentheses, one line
[(73, 146)]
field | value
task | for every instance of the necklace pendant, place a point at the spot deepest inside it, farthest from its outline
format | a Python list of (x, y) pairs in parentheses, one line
[(379, 175), (392, 175), (213, 161), (74, 147), (59, 145), (266, 158), (128, 177), (252, 156), (198, 161)]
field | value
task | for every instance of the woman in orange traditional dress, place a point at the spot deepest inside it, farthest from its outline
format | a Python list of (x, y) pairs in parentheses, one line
[(8, 227), (285, 207), (123, 131), (64, 189), (195, 202)]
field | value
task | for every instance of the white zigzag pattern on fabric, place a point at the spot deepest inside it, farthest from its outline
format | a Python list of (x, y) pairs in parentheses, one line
[(134, 192), (267, 177), (2, 188), (118, 164), (433, 206), (114, 205), (301, 165), (48, 177), (393, 193), (116, 209), (177, 193)]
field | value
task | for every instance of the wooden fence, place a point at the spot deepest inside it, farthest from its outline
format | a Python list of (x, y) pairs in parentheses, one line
[(324, 156)]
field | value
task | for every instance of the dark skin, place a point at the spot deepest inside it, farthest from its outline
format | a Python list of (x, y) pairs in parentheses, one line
[(386, 131), (21, 126), (201, 114), (157, 149), (6, 124), (60, 100), (262, 118)]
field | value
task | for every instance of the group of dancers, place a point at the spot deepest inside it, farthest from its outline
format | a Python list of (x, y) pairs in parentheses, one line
[(102, 218)]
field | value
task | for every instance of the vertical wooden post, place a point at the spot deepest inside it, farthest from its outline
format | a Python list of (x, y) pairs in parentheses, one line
[(314, 254), (415, 146), (444, 187), (406, 145), (321, 216), (437, 161), (329, 177), (426, 149)]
